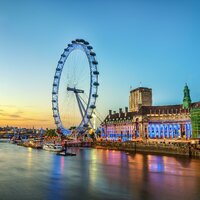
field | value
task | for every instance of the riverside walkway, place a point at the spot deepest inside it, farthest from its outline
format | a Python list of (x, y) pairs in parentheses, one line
[(189, 148)]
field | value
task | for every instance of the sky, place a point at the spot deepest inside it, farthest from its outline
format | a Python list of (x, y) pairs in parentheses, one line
[(149, 43)]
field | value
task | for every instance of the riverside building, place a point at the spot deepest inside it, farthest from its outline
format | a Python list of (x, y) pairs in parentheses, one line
[(142, 119)]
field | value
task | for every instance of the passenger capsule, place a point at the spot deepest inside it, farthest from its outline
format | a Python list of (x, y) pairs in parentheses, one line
[(54, 84), (96, 84), (90, 47), (95, 72), (54, 93), (55, 76), (81, 132), (92, 54), (82, 40), (60, 62), (54, 101), (73, 42), (93, 106), (95, 62), (95, 95), (86, 43), (89, 116), (77, 40), (63, 55), (70, 45)]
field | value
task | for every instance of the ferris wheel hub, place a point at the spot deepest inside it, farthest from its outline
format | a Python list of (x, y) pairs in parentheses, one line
[(75, 90)]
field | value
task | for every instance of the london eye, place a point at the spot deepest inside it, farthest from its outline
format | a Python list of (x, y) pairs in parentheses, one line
[(75, 88)]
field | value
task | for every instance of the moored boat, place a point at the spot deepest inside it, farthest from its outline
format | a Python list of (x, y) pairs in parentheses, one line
[(4, 139), (66, 154), (52, 147), (33, 143)]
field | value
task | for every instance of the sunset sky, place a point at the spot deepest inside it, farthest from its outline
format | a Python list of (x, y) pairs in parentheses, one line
[(153, 42)]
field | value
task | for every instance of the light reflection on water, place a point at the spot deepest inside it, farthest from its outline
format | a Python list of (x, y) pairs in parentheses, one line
[(95, 174)]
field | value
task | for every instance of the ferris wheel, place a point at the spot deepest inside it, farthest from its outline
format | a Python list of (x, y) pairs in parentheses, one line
[(75, 88)]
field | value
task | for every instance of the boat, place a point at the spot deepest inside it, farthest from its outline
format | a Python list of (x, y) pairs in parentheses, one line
[(4, 139), (33, 143), (63, 153), (52, 147)]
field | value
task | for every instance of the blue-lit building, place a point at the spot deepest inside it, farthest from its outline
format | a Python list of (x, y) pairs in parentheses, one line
[(144, 120)]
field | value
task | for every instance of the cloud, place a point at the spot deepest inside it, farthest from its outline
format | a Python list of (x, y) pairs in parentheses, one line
[(15, 116), (14, 106), (8, 106), (3, 114), (12, 113), (35, 119), (22, 119), (10, 119)]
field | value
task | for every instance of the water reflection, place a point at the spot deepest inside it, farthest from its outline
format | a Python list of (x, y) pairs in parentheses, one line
[(95, 174), (29, 157), (156, 164)]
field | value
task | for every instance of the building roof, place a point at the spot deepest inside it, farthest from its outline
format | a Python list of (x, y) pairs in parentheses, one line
[(195, 105), (145, 110), (119, 117), (140, 88)]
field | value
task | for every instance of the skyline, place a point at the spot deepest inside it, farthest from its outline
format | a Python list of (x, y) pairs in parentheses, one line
[(154, 43)]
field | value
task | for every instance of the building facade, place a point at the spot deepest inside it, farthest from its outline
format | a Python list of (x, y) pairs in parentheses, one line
[(140, 97), (144, 120), (195, 118)]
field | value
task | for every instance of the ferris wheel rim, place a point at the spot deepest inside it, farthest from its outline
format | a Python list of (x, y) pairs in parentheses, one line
[(93, 91)]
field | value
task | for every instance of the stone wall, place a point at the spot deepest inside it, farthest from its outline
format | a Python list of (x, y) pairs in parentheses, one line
[(176, 148)]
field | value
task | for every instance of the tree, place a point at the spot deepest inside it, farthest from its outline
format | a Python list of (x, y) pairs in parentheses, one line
[(50, 133)]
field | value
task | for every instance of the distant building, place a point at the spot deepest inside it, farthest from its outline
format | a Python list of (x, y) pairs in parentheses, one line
[(145, 120)]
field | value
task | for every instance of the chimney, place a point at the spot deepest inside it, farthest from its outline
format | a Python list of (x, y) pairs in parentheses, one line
[(126, 110), (110, 112), (114, 112), (120, 112)]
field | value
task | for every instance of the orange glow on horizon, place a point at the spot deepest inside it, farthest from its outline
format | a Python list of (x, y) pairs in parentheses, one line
[(25, 117)]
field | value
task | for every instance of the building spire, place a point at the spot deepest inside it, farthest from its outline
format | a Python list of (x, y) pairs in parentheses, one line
[(186, 98)]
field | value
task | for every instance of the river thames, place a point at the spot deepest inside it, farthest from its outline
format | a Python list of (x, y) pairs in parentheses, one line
[(27, 173)]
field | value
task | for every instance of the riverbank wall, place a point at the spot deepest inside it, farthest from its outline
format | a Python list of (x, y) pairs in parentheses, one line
[(4, 140), (153, 147)]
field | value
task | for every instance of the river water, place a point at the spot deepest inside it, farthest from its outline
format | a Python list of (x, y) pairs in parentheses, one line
[(27, 173)]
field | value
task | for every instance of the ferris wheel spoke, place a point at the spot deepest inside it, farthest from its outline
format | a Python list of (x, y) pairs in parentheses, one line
[(81, 106), (83, 79), (82, 74), (85, 102)]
